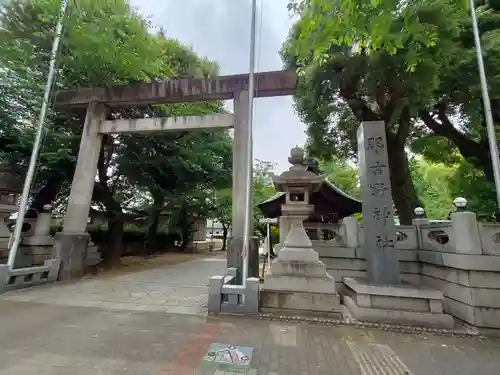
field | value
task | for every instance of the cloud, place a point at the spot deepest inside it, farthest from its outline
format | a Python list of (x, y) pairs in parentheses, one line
[(220, 30)]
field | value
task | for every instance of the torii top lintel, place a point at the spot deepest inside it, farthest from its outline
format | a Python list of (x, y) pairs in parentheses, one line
[(267, 84)]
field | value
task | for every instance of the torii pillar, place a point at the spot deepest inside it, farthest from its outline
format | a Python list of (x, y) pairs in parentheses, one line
[(240, 181)]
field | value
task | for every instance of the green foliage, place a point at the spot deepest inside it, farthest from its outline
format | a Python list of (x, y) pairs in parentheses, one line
[(438, 185), (437, 149), (131, 235), (432, 181), (372, 25), (470, 182), (223, 201), (106, 43), (414, 68), (263, 188), (342, 175)]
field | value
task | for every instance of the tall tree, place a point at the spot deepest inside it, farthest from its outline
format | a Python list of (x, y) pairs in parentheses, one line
[(419, 78), (104, 43), (371, 25), (108, 29), (455, 113), (263, 188), (222, 212)]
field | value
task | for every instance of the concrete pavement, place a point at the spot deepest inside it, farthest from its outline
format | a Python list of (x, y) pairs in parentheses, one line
[(101, 326)]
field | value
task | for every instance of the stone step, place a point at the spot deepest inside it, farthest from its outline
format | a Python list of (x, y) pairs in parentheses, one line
[(405, 317), (300, 301), (298, 269)]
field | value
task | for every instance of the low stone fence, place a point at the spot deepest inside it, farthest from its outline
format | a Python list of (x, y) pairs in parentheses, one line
[(461, 258), (25, 277), (36, 254), (224, 296), (35, 250)]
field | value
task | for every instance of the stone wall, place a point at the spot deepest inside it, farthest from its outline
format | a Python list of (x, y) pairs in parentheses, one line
[(461, 258), (351, 262)]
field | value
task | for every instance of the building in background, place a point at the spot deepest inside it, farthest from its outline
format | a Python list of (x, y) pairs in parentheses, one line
[(218, 229)]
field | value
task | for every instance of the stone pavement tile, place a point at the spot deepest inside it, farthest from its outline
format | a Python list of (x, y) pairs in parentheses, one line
[(129, 306), (71, 302), (182, 288), (310, 349), (49, 363), (110, 326), (48, 339), (460, 355)]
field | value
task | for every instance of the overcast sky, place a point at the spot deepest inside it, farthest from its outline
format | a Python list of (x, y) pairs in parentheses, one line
[(220, 30)]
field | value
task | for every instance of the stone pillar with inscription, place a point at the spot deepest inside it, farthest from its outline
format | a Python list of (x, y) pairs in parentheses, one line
[(382, 297), (378, 219)]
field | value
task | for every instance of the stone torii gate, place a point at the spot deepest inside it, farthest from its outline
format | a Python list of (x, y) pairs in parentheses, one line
[(71, 244)]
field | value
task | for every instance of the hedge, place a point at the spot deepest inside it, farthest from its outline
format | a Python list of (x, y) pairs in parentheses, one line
[(130, 234)]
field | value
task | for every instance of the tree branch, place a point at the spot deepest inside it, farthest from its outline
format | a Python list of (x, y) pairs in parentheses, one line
[(446, 129), (109, 154), (101, 169), (404, 126), (475, 152), (116, 177)]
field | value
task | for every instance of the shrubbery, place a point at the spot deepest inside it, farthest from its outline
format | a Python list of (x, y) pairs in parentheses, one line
[(131, 235)]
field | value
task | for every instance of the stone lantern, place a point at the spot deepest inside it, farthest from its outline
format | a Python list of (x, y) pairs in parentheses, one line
[(298, 270), (298, 184)]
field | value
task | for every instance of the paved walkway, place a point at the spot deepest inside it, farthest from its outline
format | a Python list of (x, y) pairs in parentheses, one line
[(181, 288), (100, 326)]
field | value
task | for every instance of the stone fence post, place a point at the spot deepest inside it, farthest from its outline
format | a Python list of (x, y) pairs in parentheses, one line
[(466, 232), (418, 222), (40, 235), (351, 232), (43, 222)]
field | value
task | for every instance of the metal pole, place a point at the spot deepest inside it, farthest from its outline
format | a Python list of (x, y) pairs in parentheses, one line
[(213, 225), (490, 126), (248, 192), (38, 138), (268, 245)]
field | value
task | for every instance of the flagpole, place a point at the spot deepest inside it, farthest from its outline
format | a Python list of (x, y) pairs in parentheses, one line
[(249, 162), (38, 139), (490, 126)]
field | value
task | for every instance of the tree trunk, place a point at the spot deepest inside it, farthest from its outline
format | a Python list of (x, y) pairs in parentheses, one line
[(116, 223), (404, 193), (46, 195), (153, 228), (111, 257), (186, 236), (224, 237), (185, 223), (154, 222)]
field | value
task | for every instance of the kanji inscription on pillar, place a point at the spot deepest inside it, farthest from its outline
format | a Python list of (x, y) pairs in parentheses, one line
[(378, 219)]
